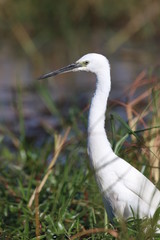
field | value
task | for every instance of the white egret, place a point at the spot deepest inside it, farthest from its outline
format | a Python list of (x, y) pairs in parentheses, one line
[(125, 190)]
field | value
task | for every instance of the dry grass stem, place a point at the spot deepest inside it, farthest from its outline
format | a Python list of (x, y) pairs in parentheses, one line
[(37, 215), (94, 231), (59, 142)]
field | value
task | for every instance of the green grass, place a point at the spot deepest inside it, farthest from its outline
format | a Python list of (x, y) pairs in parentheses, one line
[(69, 202)]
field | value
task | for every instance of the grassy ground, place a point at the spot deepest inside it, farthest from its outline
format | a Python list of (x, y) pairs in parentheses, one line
[(45, 198)]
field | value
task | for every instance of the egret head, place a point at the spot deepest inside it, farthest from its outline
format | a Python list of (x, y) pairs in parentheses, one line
[(91, 62)]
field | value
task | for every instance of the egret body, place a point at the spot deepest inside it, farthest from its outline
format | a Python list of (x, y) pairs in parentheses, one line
[(124, 189)]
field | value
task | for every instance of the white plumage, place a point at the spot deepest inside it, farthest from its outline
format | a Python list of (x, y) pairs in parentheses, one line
[(123, 187)]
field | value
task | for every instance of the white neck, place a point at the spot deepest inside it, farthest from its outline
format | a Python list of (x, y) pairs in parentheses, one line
[(96, 121), (98, 144)]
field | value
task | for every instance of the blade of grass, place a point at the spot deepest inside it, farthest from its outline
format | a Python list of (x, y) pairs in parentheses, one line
[(46, 97), (127, 127)]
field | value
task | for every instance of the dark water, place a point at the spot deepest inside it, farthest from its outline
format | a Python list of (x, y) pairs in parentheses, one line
[(17, 72)]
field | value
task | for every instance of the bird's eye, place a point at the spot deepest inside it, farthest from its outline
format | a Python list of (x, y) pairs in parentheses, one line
[(86, 62)]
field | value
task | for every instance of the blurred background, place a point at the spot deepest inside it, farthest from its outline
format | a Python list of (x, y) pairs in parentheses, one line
[(40, 36)]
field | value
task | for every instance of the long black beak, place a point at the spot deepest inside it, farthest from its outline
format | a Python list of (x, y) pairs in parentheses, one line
[(68, 68)]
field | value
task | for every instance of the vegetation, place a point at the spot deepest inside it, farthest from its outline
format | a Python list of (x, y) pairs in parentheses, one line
[(44, 199), (47, 188), (57, 27)]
